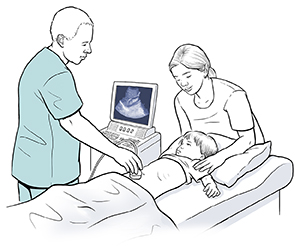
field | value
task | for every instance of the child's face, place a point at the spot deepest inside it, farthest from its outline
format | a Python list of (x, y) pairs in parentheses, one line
[(188, 148)]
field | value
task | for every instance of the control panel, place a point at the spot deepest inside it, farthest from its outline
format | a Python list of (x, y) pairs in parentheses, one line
[(132, 131), (127, 130)]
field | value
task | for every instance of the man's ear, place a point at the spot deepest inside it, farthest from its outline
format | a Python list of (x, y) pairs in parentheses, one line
[(60, 40)]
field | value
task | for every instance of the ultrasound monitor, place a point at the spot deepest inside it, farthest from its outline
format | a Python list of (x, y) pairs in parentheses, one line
[(133, 103), (132, 112)]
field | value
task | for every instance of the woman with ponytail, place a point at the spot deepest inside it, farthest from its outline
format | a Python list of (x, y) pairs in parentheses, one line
[(211, 105)]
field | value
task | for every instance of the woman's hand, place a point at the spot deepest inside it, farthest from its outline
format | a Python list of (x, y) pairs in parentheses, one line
[(128, 160), (209, 164)]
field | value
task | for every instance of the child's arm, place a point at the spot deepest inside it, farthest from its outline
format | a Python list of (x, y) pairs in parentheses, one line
[(210, 186)]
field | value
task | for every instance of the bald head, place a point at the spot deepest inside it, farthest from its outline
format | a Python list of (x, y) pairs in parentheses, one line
[(67, 21)]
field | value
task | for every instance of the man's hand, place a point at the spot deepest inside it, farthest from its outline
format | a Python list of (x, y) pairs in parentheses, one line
[(128, 160)]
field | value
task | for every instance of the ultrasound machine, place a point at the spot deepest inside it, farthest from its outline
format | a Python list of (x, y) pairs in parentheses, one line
[(132, 113)]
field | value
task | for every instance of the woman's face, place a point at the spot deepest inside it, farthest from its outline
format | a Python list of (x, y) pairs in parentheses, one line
[(189, 80)]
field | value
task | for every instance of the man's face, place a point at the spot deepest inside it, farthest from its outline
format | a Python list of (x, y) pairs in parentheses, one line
[(188, 148), (76, 49)]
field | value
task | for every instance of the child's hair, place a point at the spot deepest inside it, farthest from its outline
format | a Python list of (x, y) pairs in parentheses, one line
[(207, 144), (192, 57)]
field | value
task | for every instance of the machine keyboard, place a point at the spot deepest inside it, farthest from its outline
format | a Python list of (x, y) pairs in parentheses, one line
[(115, 136), (111, 135)]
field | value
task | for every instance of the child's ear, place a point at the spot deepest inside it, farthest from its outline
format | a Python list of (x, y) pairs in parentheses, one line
[(202, 157)]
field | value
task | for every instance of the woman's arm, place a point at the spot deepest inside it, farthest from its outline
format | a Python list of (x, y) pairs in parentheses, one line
[(240, 115), (184, 125), (83, 130), (182, 118), (246, 140)]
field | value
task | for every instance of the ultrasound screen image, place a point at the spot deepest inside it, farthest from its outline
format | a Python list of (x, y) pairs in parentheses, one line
[(132, 104)]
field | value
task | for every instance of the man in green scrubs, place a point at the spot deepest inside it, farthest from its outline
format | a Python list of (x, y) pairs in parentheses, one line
[(46, 150)]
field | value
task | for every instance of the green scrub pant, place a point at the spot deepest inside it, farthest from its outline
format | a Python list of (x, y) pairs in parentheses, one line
[(27, 193)]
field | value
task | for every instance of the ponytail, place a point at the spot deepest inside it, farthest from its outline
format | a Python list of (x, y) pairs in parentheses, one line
[(212, 73)]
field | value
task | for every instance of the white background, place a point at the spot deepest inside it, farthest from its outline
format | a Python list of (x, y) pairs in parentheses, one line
[(254, 44)]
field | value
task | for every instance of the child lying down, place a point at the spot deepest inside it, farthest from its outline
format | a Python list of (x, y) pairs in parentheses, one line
[(175, 166)]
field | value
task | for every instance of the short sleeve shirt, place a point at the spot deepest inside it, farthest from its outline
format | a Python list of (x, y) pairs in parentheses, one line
[(44, 153), (229, 112)]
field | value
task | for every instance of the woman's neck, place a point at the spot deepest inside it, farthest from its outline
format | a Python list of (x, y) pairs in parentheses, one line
[(205, 96)]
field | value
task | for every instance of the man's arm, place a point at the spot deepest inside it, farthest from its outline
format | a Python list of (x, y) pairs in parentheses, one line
[(84, 131)]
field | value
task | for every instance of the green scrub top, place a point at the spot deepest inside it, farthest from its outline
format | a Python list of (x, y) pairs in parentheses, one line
[(44, 153)]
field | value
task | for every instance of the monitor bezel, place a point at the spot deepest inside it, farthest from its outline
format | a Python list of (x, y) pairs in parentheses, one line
[(153, 102)]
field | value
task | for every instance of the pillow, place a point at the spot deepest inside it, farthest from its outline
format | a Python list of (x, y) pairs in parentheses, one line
[(238, 165)]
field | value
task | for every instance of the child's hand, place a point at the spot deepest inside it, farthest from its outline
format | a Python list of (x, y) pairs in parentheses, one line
[(211, 190)]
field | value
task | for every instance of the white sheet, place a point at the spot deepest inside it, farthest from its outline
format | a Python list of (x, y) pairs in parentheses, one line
[(110, 208), (190, 209)]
